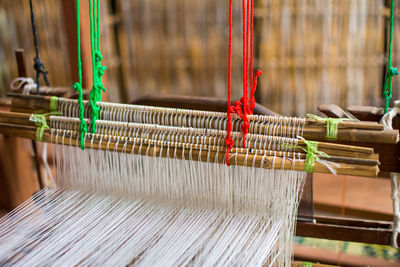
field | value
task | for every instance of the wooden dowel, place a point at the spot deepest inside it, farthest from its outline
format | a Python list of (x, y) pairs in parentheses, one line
[(335, 155), (355, 135), (330, 148), (40, 104), (267, 162), (365, 125), (30, 103)]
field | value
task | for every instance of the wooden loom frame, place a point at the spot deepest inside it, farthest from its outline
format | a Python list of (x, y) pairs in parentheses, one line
[(366, 231), (373, 232), (338, 229)]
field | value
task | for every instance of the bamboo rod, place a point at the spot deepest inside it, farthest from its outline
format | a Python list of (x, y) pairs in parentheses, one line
[(40, 104), (31, 102), (184, 151), (365, 125), (335, 155), (207, 136)]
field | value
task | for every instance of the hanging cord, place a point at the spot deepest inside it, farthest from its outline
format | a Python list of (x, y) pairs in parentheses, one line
[(228, 139), (246, 105), (387, 87), (97, 68), (394, 176), (37, 63), (78, 85)]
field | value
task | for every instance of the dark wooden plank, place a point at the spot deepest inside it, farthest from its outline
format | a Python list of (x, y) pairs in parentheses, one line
[(333, 111), (366, 113), (352, 230), (190, 102), (308, 253), (19, 56), (389, 154), (69, 18), (306, 205), (353, 212)]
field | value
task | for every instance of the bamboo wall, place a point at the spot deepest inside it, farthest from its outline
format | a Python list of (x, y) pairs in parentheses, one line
[(310, 51), (326, 52), (16, 32)]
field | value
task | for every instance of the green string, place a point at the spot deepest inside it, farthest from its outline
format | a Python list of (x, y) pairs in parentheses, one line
[(312, 153), (331, 125), (78, 85), (41, 123), (98, 69), (53, 104), (307, 264), (387, 87)]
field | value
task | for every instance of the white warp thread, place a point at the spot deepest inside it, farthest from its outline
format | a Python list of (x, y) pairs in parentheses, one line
[(394, 177), (119, 209)]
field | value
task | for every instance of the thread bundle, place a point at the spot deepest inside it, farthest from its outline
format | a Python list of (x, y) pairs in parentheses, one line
[(116, 209)]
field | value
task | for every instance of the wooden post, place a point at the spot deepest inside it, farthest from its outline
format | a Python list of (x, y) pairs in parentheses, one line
[(17, 169), (69, 12), (69, 16)]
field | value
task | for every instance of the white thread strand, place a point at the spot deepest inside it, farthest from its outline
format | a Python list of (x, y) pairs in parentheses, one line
[(394, 177), (118, 209)]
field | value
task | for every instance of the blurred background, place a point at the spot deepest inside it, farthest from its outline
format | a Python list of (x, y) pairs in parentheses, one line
[(310, 52)]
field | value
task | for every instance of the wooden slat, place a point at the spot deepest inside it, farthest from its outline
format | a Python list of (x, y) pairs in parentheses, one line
[(352, 230), (334, 111), (389, 154), (196, 103), (307, 253), (268, 161), (19, 173)]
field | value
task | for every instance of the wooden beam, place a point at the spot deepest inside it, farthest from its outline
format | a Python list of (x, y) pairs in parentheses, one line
[(306, 253), (389, 154), (352, 230), (190, 102), (69, 17)]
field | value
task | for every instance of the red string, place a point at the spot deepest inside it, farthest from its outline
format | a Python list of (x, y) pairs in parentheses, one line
[(246, 105), (228, 139), (250, 111)]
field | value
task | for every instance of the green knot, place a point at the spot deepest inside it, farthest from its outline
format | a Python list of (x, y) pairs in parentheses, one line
[(77, 87), (393, 71), (94, 97), (100, 70), (332, 125), (41, 123), (53, 104), (83, 126), (312, 154), (83, 129), (311, 150), (387, 91), (98, 56), (306, 264), (99, 87)]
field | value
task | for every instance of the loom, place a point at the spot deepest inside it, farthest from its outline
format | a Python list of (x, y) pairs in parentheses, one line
[(150, 185), (166, 137)]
